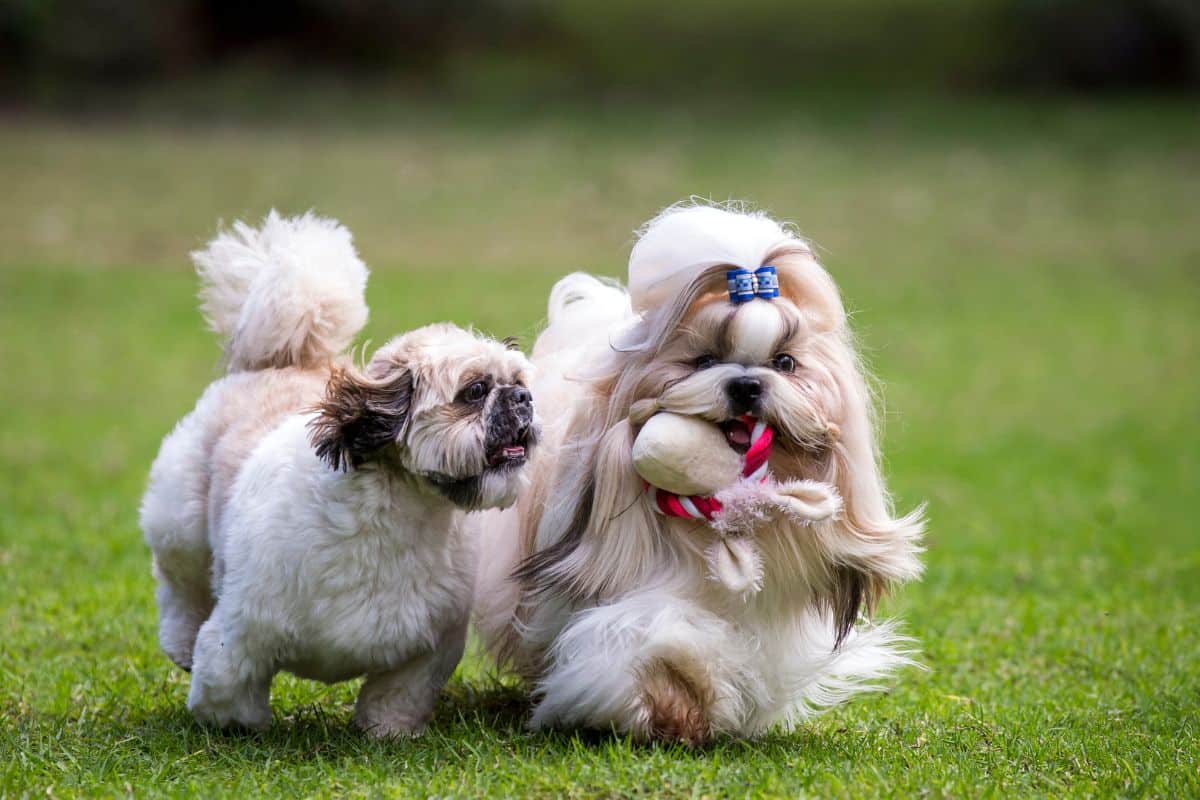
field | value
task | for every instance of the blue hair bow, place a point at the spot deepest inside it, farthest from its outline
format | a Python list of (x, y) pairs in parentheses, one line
[(745, 285)]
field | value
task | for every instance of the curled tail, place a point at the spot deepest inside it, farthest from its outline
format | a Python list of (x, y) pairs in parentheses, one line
[(286, 294), (583, 309)]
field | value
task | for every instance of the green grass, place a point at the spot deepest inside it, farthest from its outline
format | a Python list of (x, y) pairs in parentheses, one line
[(1025, 278)]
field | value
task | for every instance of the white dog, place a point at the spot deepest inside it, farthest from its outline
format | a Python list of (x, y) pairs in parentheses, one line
[(308, 515), (608, 607)]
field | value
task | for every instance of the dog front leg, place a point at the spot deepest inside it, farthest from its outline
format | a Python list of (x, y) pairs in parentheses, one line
[(400, 702), (231, 682), (653, 666)]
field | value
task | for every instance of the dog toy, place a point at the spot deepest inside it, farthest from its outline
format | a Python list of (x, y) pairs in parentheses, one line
[(685, 461)]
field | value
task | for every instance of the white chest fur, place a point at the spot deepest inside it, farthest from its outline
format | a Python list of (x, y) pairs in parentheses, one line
[(343, 573)]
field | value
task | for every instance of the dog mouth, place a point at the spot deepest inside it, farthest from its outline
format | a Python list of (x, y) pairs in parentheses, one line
[(738, 433), (503, 458), (510, 454)]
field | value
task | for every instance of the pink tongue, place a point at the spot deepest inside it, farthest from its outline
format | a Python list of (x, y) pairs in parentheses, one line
[(514, 451), (739, 435)]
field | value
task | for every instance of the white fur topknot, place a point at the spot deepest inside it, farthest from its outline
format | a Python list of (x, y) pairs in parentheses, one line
[(289, 293), (683, 240)]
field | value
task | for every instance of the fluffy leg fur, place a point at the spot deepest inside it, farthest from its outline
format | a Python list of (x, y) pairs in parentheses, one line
[(230, 683), (184, 603), (174, 520), (676, 710), (646, 666), (400, 702), (657, 665)]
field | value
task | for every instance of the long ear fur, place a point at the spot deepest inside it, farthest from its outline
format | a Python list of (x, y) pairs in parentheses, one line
[(870, 546), (610, 542), (360, 415)]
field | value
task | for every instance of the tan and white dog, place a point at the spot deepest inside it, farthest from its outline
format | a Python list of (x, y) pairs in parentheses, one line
[(607, 607), (308, 515)]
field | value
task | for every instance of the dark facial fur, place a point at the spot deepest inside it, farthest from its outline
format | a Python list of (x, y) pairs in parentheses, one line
[(510, 424)]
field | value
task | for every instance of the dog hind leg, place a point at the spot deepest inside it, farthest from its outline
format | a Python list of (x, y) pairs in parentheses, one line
[(174, 520), (184, 603)]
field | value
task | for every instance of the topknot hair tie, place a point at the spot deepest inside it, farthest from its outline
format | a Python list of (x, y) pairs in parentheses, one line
[(745, 285)]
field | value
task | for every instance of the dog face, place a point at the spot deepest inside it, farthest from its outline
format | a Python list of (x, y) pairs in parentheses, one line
[(444, 405), (760, 359)]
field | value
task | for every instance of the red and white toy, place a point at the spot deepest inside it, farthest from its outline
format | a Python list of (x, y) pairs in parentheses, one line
[(685, 461)]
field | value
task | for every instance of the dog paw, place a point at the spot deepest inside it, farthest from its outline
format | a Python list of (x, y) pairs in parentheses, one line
[(223, 716), (397, 726), (675, 710)]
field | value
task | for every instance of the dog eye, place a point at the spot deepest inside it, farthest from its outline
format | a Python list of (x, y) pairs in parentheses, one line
[(475, 392), (784, 363), (705, 361)]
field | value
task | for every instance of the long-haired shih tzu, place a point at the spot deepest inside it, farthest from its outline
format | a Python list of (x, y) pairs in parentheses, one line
[(609, 606), (308, 515)]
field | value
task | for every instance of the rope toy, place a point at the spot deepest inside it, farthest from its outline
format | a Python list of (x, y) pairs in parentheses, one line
[(707, 506)]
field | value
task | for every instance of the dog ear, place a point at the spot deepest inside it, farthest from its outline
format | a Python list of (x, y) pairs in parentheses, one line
[(855, 591), (605, 540), (360, 415), (872, 547)]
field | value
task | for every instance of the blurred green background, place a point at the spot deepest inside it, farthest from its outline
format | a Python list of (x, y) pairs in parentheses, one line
[(1008, 192), (58, 49)]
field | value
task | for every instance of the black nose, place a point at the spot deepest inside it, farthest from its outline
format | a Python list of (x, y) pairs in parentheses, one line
[(520, 396), (744, 393)]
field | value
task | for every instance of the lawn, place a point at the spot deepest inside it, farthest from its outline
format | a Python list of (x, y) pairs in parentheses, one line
[(1025, 278)]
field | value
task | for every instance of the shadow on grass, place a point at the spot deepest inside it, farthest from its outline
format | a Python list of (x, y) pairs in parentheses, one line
[(473, 724)]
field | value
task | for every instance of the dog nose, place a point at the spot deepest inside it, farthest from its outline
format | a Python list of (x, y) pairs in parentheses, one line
[(518, 397), (744, 393)]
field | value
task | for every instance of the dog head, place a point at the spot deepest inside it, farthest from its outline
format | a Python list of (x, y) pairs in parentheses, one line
[(789, 361), (445, 405), (764, 360)]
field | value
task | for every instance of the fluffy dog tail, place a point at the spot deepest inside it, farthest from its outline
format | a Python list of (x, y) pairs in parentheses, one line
[(286, 294), (582, 308)]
